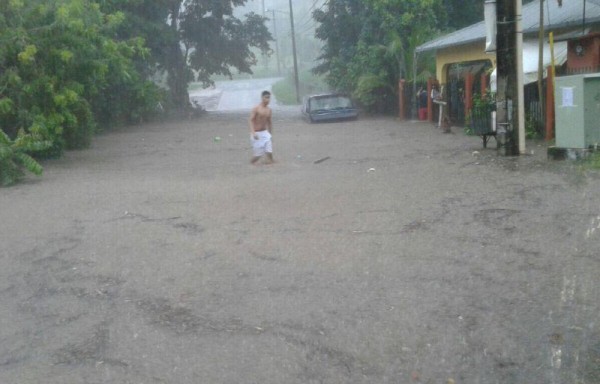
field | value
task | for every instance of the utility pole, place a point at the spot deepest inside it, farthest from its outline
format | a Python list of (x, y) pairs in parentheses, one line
[(265, 58), (583, 19), (541, 59), (520, 80), (296, 81), (276, 43), (510, 116)]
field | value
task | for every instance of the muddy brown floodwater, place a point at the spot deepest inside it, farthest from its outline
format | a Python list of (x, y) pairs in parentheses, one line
[(160, 255)]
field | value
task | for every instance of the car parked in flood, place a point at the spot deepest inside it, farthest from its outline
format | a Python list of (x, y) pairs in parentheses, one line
[(328, 107)]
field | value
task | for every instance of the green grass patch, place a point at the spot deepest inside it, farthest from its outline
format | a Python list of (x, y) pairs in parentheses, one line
[(285, 92), (592, 161)]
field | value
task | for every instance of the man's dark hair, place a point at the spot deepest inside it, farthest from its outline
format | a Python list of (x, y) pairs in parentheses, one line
[(265, 93)]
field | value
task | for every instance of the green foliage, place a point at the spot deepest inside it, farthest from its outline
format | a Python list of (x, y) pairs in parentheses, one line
[(531, 127), (370, 43), (595, 160), (485, 101), (462, 13), (217, 41), (214, 40), (15, 156), (339, 25), (371, 71), (71, 67), (478, 119), (58, 69), (369, 46), (591, 162), (285, 91), (369, 89), (311, 84), (468, 128)]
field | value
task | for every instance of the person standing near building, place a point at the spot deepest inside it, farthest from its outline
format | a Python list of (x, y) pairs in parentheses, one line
[(261, 129), (436, 98)]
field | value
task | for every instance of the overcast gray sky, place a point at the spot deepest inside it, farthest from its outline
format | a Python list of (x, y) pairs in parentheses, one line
[(301, 7)]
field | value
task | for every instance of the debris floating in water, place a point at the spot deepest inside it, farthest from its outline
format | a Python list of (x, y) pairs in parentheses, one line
[(322, 160)]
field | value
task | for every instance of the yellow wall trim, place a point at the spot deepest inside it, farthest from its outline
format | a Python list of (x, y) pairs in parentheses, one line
[(460, 54)]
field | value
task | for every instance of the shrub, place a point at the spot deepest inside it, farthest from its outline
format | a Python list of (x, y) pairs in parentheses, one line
[(531, 130), (62, 73), (15, 156)]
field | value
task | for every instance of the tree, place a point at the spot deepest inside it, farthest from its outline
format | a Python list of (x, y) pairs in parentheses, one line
[(369, 47), (193, 39), (217, 42), (56, 62), (458, 18), (340, 26)]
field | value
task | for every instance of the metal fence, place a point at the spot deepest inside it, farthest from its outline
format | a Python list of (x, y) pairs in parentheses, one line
[(455, 90), (535, 118)]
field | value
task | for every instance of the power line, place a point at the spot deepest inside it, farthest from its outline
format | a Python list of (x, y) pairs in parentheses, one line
[(309, 28), (310, 19), (304, 20)]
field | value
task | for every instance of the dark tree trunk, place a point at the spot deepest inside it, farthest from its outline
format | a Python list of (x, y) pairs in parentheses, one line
[(177, 78)]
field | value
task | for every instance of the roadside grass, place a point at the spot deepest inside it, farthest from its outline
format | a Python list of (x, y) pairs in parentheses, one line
[(285, 92), (591, 162)]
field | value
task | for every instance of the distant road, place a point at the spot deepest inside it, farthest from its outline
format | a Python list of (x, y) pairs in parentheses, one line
[(233, 95)]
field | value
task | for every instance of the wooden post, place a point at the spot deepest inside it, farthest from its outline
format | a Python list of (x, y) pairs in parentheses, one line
[(550, 104), (429, 101), (401, 108)]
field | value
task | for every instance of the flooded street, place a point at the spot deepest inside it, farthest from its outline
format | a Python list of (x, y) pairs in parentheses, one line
[(236, 95), (160, 255)]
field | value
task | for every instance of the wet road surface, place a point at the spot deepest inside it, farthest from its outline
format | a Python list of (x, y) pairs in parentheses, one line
[(161, 256), (234, 95)]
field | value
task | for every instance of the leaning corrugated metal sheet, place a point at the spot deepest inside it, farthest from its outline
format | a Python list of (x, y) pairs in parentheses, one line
[(570, 15)]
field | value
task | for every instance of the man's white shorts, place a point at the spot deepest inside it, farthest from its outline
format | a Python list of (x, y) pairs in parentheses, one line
[(262, 144)]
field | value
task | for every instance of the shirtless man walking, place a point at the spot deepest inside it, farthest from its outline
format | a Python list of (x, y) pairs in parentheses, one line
[(261, 128)]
